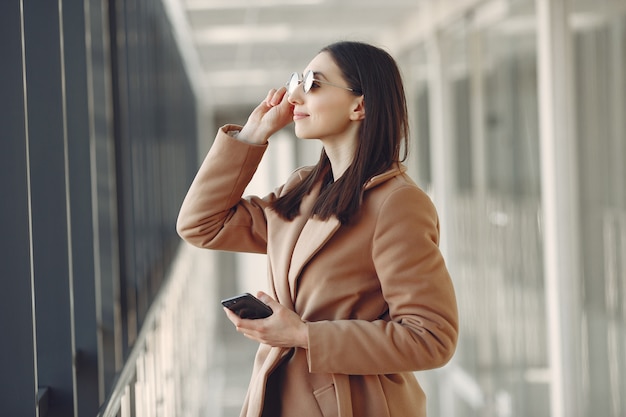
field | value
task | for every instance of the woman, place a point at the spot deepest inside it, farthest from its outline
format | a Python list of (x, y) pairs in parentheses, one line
[(359, 289)]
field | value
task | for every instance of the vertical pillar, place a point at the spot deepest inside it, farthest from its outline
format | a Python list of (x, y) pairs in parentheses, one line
[(18, 377), (443, 171), (104, 192), (79, 188), (442, 151), (477, 109), (124, 120), (560, 204), (47, 148)]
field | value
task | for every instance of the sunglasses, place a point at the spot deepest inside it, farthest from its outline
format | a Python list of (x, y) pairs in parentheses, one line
[(307, 83)]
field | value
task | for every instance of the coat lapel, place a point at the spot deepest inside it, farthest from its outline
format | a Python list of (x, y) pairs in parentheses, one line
[(283, 239), (295, 243), (314, 235)]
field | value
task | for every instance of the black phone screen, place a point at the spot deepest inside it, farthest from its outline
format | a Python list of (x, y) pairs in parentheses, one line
[(247, 306)]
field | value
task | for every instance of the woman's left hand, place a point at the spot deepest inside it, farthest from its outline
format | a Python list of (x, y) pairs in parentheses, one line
[(284, 328)]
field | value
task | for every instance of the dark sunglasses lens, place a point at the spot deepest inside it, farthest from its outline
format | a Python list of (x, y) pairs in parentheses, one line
[(293, 83)]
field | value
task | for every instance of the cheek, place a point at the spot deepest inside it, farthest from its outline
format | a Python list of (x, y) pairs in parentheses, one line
[(326, 117), (332, 112)]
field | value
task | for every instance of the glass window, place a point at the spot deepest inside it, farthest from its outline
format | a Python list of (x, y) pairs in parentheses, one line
[(495, 239), (418, 102), (599, 36)]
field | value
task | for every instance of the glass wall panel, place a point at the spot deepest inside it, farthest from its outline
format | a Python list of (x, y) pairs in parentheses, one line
[(415, 74), (599, 36), (495, 231)]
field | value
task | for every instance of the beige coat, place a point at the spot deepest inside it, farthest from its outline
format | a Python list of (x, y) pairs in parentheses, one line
[(376, 296)]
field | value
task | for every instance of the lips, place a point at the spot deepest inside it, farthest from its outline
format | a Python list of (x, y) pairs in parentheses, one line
[(299, 115)]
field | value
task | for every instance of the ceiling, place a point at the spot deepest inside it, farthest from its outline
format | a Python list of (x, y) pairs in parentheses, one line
[(242, 48)]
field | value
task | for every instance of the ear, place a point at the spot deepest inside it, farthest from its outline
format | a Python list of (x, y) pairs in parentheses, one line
[(358, 110)]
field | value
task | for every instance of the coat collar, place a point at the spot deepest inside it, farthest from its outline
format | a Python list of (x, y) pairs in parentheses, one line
[(380, 178)]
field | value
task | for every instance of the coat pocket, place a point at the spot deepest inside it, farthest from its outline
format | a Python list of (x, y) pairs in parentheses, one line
[(327, 401)]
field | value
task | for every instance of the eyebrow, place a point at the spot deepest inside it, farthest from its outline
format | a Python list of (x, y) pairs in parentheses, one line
[(319, 74)]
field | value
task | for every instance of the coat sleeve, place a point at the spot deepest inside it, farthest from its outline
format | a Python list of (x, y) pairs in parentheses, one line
[(420, 329), (213, 214)]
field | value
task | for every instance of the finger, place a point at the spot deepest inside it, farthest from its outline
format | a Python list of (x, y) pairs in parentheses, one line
[(267, 299), (261, 295), (284, 103), (250, 337), (278, 96), (269, 97), (233, 317)]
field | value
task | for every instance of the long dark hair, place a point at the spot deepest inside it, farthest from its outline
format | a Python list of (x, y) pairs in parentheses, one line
[(372, 72)]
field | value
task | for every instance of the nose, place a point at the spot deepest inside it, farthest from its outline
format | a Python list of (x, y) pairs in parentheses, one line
[(296, 96)]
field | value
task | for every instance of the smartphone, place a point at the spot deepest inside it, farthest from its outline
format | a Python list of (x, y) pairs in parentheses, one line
[(247, 306)]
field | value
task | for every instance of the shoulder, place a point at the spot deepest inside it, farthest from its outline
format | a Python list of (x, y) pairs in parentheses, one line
[(401, 190), (397, 187), (398, 202), (296, 177), (400, 210)]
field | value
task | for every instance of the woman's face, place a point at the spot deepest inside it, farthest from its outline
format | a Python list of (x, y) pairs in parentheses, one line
[(326, 112)]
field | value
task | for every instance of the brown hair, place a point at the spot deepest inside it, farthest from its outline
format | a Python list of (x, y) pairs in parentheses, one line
[(372, 72)]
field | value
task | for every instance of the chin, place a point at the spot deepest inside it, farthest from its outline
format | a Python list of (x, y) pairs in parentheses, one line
[(304, 135)]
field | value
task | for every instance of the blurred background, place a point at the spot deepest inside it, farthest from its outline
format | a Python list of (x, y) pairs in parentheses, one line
[(107, 108)]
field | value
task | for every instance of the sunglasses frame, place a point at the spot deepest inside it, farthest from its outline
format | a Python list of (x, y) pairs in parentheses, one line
[(307, 82)]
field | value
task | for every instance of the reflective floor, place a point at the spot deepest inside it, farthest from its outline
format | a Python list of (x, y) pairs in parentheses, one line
[(231, 365)]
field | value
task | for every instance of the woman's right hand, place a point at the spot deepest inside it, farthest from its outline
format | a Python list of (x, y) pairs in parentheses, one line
[(271, 115)]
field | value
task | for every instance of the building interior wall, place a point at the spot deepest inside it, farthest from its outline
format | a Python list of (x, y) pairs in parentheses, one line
[(103, 138)]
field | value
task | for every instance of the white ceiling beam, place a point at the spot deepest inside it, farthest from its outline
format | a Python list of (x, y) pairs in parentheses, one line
[(200, 5)]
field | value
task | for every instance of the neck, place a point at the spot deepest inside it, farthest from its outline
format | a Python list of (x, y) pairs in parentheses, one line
[(340, 158), (340, 152)]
